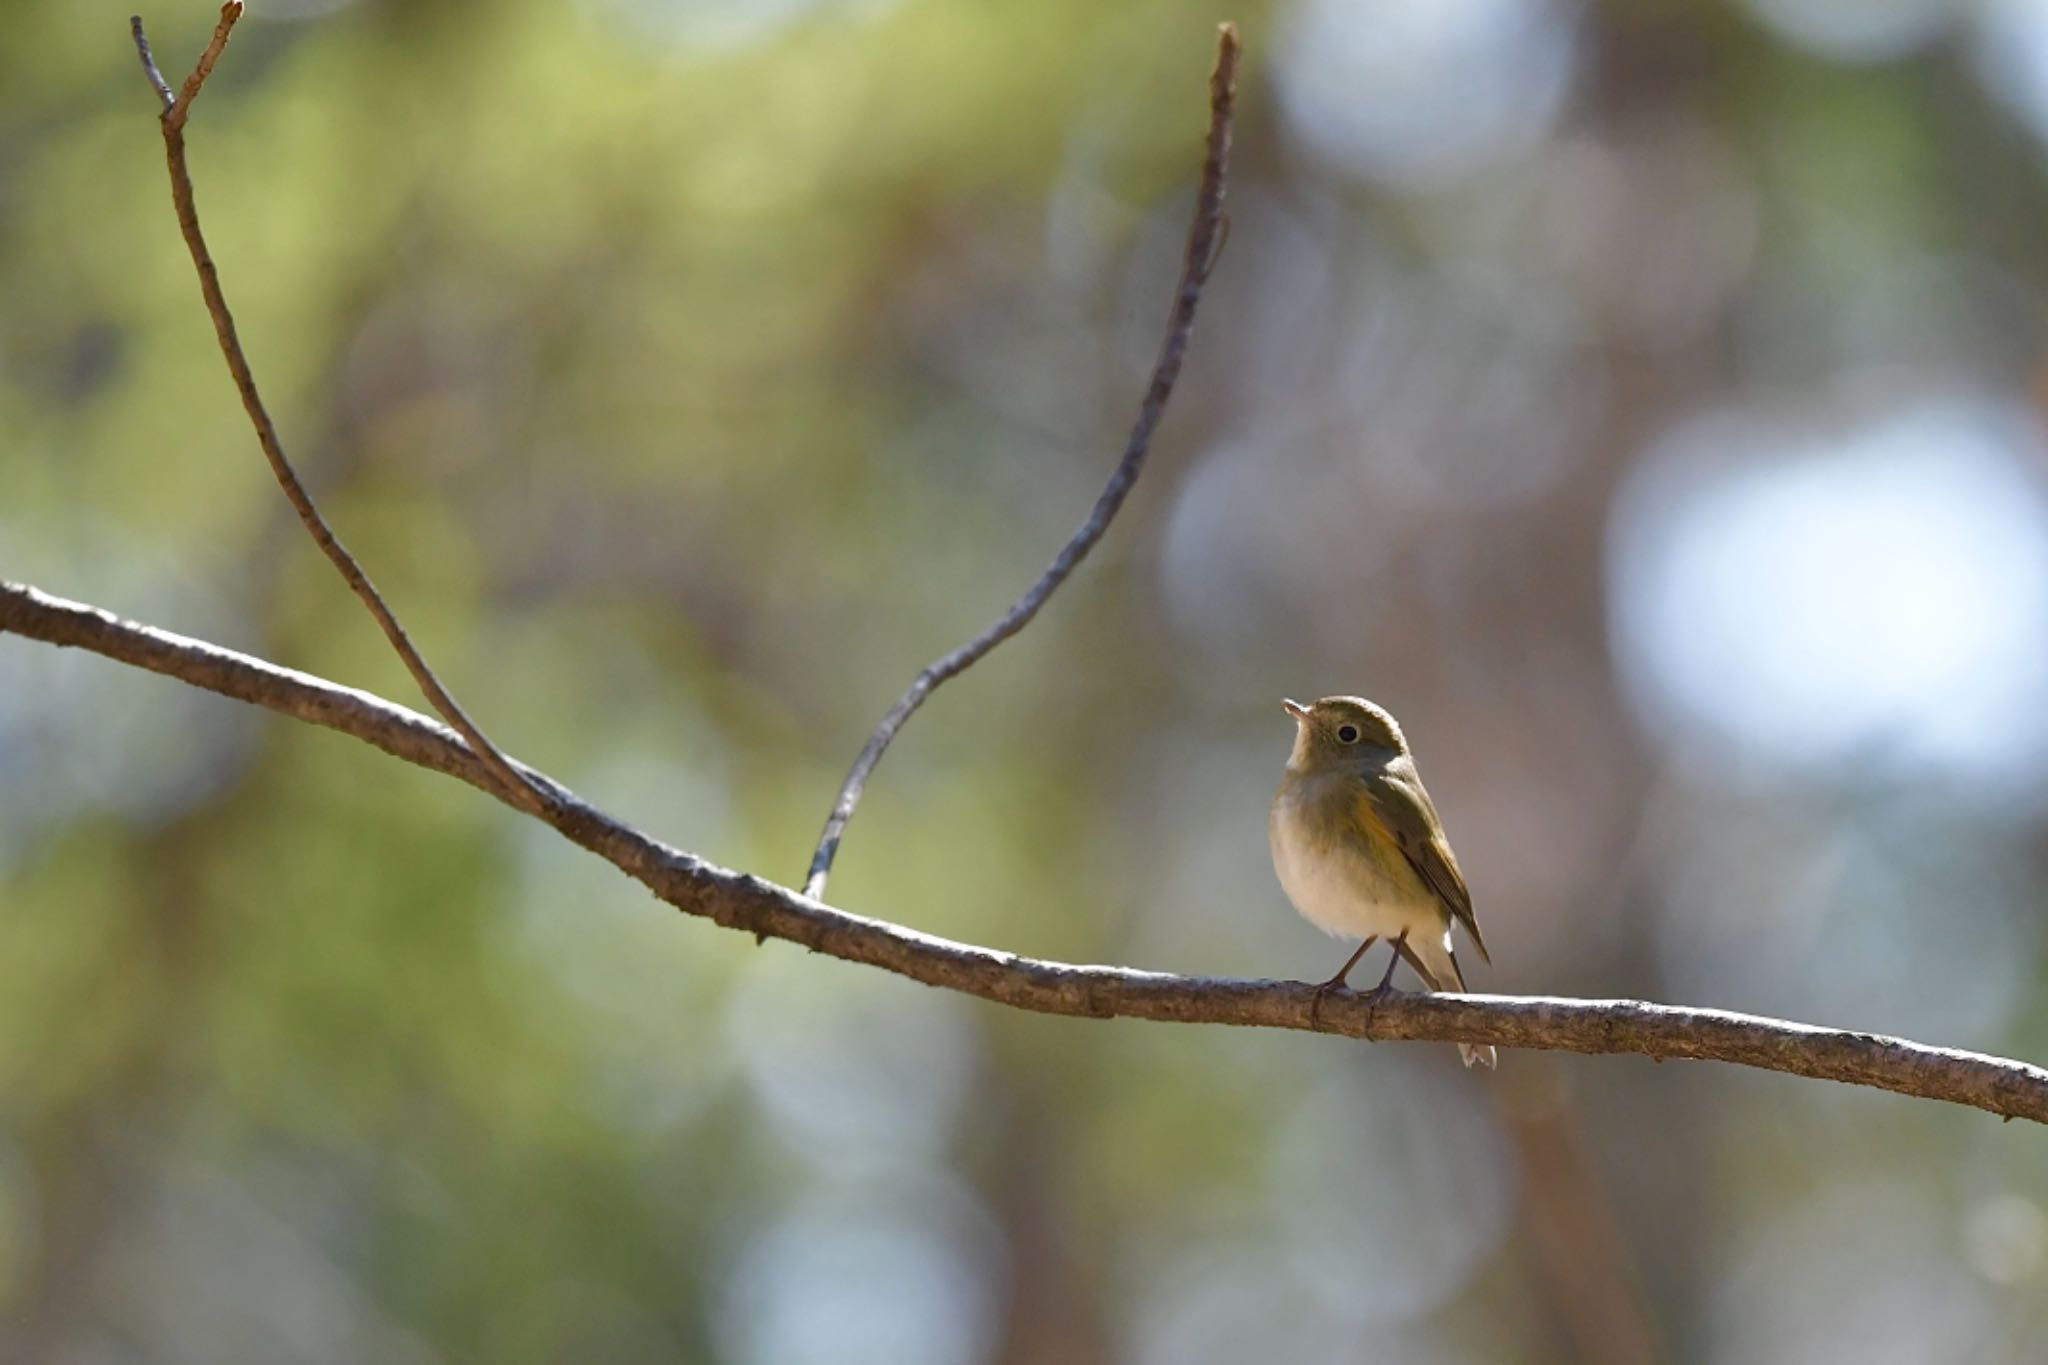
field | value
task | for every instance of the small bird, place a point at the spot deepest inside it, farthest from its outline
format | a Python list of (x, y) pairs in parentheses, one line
[(1360, 851)]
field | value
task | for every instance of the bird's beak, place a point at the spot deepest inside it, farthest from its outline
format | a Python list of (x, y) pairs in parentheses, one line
[(1294, 708)]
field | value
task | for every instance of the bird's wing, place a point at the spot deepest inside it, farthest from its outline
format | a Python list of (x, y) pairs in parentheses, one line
[(1397, 800)]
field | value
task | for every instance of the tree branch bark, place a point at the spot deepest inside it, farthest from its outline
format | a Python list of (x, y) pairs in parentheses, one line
[(740, 900)]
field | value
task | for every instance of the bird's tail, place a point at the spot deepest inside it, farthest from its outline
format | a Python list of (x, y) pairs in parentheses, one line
[(1438, 967)]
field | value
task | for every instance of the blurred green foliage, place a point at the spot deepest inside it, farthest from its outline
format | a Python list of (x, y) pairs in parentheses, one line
[(688, 374)]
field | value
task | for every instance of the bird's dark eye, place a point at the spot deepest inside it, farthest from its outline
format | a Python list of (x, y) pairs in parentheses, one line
[(1347, 734)]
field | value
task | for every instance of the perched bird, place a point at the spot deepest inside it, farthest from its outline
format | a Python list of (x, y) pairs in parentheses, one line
[(1360, 851)]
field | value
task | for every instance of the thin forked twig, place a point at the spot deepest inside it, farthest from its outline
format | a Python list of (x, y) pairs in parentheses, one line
[(176, 109), (1205, 239)]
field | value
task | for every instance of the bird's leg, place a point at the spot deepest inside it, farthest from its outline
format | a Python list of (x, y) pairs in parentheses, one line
[(1380, 991), (1315, 1005), (1334, 982), (1386, 986), (1422, 973)]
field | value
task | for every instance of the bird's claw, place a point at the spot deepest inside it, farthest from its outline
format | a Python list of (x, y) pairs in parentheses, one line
[(1372, 1000), (1315, 1003)]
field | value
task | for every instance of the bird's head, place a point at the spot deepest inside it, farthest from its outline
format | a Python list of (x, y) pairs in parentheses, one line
[(1339, 731)]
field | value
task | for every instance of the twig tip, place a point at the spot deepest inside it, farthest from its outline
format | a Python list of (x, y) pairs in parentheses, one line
[(1223, 80), (149, 68)]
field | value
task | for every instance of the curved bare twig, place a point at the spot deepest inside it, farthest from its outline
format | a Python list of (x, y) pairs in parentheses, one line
[(742, 901), (1205, 239), (176, 110)]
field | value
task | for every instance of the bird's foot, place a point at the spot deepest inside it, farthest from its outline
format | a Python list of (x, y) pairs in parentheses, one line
[(1373, 999), (1315, 1004)]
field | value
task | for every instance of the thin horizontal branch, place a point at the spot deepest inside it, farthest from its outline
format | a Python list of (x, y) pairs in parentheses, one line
[(1206, 233), (742, 901), (176, 110)]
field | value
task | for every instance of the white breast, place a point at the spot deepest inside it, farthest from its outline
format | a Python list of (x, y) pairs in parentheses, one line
[(1341, 894)]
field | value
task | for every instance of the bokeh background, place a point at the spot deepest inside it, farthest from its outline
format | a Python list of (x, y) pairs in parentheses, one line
[(1644, 400)]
